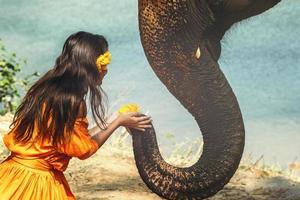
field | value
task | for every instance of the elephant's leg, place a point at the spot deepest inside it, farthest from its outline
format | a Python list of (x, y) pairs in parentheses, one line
[(239, 5), (230, 5), (228, 12), (240, 9)]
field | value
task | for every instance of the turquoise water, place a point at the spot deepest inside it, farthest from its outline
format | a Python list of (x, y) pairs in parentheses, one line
[(260, 58)]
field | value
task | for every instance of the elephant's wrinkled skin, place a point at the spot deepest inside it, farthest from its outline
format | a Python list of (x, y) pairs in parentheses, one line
[(181, 40)]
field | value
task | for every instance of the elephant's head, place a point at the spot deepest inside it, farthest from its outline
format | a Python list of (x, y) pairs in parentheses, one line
[(181, 39)]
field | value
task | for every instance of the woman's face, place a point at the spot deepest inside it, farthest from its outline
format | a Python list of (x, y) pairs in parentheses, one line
[(102, 74)]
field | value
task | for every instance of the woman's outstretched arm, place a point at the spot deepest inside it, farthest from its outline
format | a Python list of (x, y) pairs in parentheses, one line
[(129, 120), (100, 136)]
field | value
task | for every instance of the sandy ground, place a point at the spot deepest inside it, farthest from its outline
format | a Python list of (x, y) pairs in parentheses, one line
[(111, 174)]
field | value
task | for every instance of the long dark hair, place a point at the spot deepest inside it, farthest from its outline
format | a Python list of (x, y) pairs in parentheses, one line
[(61, 90)]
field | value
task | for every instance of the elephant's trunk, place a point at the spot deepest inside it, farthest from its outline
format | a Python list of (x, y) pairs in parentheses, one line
[(209, 98), (174, 37)]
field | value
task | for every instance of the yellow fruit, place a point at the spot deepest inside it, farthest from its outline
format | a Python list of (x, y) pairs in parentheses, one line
[(131, 107)]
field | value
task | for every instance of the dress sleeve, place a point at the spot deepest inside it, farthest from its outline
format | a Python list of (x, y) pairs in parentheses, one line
[(81, 144)]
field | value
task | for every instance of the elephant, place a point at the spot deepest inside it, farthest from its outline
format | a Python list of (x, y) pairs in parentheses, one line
[(182, 43)]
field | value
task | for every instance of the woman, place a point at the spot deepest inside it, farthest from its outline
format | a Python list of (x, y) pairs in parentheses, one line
[(50, 125)]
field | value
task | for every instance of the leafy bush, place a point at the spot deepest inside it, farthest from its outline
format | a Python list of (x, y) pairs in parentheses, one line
[(10, 65)]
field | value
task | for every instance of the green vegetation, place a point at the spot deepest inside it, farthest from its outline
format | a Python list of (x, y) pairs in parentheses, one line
[(10, 86)]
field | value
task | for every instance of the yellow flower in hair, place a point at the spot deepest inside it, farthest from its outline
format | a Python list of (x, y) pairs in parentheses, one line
[(103, 60), (131, 107)]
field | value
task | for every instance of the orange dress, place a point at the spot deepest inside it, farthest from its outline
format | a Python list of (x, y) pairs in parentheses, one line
[(35, 171)]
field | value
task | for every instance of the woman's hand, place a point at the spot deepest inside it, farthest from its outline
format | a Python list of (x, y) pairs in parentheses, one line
[(134, 120)]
